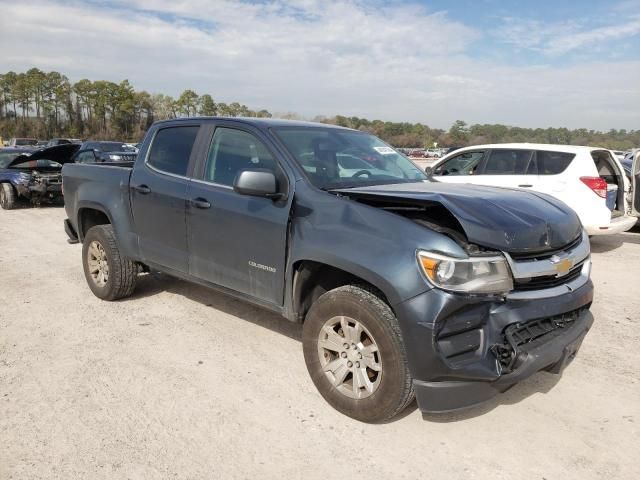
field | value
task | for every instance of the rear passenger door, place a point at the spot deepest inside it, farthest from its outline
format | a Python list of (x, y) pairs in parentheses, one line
[(238, 241), (550, 178), (158, 191)]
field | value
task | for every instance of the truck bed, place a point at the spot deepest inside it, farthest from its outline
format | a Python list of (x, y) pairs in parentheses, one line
[(103, 185)]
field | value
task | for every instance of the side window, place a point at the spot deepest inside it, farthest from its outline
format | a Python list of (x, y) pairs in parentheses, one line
[(86, 157), (508, 162), (171, 149), (552, 163), (232, 151), (463, 164)]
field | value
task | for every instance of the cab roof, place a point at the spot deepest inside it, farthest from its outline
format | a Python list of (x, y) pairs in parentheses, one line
[(257, 122)]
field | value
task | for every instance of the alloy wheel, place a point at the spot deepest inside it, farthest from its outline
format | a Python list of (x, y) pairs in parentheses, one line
[(349, 357), (98, 265)]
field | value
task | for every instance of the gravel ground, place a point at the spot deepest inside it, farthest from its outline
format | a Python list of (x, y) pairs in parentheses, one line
[(181, 382)]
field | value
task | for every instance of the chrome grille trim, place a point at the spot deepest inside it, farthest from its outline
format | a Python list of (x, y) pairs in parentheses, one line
[(547, 266), (579, 253)]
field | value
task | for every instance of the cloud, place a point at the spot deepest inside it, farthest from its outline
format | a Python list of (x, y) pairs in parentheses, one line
[(559, 38), (393, 61)]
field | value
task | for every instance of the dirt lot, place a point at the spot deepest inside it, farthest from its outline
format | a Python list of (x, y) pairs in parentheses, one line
[(181, 382)]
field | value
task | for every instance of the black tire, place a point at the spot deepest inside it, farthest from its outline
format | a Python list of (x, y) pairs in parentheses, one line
[(8, 196), (395, 389), (122, 272)]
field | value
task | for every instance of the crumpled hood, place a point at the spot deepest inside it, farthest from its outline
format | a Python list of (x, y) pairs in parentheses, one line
[(59, 153), (509, 220)]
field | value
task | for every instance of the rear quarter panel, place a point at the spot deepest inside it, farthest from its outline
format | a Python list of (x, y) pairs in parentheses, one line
[(104, 188)]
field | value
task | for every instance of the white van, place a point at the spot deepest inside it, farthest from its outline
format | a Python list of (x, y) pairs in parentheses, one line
[(589, 180)]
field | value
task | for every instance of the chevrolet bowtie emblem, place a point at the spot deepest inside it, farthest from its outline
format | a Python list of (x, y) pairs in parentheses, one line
[(562, 266)]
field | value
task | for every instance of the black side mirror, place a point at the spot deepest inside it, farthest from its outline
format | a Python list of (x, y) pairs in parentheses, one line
[(428, 171), (257, 183)]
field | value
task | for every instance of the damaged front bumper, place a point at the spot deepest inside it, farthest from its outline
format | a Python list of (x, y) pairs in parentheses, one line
[(464, 350), (40, 188)]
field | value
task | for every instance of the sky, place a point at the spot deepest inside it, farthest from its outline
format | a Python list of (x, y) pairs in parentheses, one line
[(529, 63)]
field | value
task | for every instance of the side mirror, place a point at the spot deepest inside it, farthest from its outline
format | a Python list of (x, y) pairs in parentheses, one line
[(428, 171), (257, 183)]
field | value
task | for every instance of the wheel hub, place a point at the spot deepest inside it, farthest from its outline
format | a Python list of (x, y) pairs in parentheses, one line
[(98, 265), (350, 357)]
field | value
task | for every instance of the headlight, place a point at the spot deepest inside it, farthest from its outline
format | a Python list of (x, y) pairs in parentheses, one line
[(469, 275), (115, 157)]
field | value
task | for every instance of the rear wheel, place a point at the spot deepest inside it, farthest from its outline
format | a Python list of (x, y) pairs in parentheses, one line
[(109, 275), (8, 197), (354, 352)]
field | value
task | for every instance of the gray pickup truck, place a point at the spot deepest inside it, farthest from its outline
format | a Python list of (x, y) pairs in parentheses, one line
[(405, 287)]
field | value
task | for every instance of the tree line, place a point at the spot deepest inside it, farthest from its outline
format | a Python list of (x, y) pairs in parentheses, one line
[(411, 135), (47, 104)]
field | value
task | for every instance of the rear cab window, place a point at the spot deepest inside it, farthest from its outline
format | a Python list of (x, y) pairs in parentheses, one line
[(171, 149)]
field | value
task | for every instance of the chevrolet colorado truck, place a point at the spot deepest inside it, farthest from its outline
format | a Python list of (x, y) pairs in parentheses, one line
[(406, 287)]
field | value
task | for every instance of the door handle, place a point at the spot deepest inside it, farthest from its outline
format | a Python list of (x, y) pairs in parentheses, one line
[(200, 203), (143, 189), (525, 186)]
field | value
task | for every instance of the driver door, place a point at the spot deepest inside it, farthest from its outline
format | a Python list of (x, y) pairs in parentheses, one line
[(237, 241)]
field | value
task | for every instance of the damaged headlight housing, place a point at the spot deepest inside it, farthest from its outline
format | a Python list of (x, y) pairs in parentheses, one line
[(486, 275)]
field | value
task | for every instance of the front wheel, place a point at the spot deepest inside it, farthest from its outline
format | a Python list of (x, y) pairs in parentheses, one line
[(354, 353), (109, 275), (8, 197)]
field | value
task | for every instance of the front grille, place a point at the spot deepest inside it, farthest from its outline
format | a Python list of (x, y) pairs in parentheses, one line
[(546, 281), (128, 157), (548, 254), (124, 157), (53, 178), (520, 337)]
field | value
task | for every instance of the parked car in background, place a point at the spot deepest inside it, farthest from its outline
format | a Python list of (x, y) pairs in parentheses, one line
[(105, 152), (416, 153), (23, 142), (34, 175), (404, 286), (630, 154), (41, 144), (589, 180), (62, 141)]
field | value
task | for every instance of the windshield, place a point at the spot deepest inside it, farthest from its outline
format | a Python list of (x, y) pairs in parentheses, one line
[(335, 158)]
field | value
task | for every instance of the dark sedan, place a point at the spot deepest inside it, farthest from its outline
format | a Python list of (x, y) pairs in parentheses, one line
[(105, 152), (32, 174)]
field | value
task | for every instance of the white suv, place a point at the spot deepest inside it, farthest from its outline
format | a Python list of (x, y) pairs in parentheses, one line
[(589, 180)]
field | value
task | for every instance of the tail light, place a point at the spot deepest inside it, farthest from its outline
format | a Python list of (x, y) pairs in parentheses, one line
[(597, 184)]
